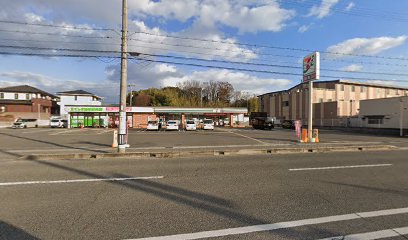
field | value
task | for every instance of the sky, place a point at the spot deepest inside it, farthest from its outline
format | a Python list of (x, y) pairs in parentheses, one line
[(256, 45)]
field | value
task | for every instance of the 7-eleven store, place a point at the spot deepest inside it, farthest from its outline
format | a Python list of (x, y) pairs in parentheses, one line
[(137, 117)]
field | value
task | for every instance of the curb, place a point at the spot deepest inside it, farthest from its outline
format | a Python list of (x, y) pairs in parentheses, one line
[(211, 152)]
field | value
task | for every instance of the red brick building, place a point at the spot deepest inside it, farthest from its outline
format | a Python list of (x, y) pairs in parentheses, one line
[(27, 102)]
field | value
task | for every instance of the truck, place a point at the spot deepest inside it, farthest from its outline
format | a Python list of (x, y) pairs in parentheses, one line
[(260, 120)]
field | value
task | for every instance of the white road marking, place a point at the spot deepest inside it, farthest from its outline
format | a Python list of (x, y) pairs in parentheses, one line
[(276, 226), (78, 180), (40, 130), (254, 139), (394, 232), (67, 131), (341, 167)]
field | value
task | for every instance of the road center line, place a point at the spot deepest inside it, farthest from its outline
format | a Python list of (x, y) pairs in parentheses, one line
[(78, 180), (340, 167), (276, 226), (395, 232)]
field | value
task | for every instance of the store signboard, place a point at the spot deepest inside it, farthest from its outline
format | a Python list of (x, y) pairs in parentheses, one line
[(311, 67)]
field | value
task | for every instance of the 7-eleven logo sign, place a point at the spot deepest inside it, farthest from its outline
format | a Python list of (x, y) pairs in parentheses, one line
[(311, 67)]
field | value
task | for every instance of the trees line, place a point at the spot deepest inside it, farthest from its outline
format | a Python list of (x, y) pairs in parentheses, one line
[(193, 93)]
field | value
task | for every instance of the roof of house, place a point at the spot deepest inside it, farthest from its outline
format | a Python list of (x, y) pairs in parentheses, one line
[(342, 81), (78, 92), (26, 89)]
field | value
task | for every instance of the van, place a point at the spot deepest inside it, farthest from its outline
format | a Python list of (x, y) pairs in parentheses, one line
[(25, 123), (58, 123)]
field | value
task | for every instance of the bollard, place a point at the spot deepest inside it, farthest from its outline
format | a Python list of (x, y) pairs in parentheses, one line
[(115, 139), (316, 135), (304, 135)]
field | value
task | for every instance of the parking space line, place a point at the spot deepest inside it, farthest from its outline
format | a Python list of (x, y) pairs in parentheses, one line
[(340, 167), (39, 130), (79, 180), (394, 232), (254, 139), (277, 226)]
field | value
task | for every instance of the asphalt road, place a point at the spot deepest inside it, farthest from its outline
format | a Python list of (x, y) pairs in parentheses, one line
[(218, 196)]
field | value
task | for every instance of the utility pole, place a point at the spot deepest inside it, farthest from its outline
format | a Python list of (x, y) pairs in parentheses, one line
[(123, 83), (310, 113), (401, 123), (131, 93)]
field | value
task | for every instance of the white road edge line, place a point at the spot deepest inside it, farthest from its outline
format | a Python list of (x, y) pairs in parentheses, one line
[(276, 226), (394, 232), (340, 167), (79, 180)]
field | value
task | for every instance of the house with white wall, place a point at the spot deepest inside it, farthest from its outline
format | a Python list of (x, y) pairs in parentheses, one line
[(77, 98)]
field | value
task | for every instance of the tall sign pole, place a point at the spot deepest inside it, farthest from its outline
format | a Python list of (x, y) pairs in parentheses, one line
[(311, 72), (123, 83)]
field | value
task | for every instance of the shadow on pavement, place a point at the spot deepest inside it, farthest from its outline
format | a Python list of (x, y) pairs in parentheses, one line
[(10, 232), (10, 153), (52, 143), (196, 200)]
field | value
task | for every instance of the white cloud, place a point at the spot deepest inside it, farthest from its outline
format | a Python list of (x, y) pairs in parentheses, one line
[(350, 6), (366, 46), (303, 28), (246, 16), (352, 68), (157, 41), (323, 10)]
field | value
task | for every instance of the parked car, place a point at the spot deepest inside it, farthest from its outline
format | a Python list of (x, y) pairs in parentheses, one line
[(208, 124), (262, 123), (58, 123), (152, 125), (172, 125), (191, 125), (25, 123), (289, 124)]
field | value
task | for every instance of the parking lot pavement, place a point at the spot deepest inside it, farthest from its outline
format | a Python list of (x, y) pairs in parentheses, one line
[(19, 142)]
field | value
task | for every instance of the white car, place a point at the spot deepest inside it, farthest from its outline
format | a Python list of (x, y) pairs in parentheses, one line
[(25, 123), (172, 125), (208, 124), (58, 123), (152, 125), (191, 125)]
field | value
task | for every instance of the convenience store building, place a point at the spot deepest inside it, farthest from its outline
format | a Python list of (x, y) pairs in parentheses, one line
[(138, 117)]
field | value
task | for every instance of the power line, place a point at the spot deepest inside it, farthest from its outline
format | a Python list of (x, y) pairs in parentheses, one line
[(54, 34), (268, 46), (257, 53), (197, 65), (264, 71), (199, 59), (56, 26)]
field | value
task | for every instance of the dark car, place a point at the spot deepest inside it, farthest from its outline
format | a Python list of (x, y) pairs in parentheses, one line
[(262, 123), (289, 124)]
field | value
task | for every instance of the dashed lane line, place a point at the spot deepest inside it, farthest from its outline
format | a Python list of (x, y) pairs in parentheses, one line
[(341, 167)]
